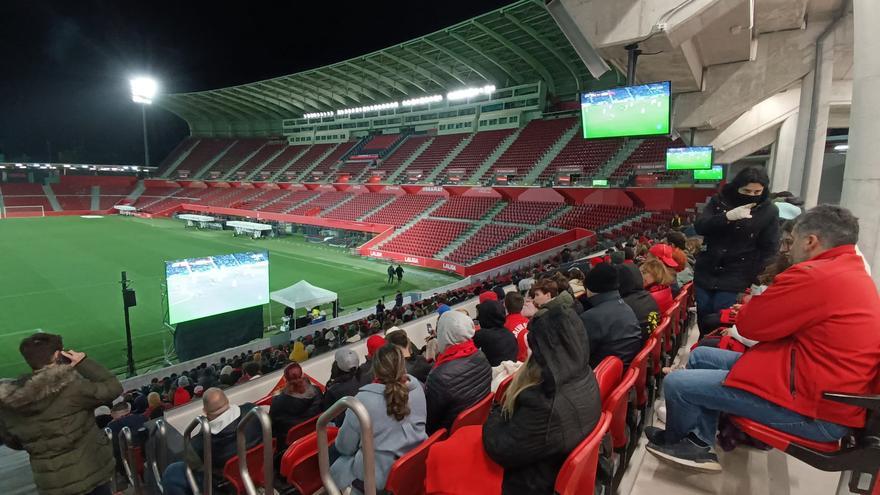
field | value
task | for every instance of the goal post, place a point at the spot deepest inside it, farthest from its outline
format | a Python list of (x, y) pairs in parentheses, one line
[(22, 211)]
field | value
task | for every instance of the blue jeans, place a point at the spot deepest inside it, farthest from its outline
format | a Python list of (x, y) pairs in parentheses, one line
[(709, 304), (174, 479), (696, 396)]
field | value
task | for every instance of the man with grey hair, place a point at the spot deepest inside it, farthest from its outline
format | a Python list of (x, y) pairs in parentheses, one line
[(817, 332)]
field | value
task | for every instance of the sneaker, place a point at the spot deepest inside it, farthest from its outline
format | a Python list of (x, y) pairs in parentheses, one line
[(656, 436), (661, 414), (687, 454)]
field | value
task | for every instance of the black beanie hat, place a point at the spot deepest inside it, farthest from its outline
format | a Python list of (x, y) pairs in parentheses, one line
[(602, 278)]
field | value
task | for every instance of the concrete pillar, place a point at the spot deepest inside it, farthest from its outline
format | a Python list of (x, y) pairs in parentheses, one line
[(818, 130), (801, 131), (783, 154), (861, 179)]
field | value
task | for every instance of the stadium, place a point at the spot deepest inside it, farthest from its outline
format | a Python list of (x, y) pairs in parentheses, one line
[(556, 148)]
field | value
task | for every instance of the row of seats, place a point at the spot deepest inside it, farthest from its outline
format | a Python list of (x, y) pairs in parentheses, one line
[(650, 151), (321, 202), (403, 209), (206, 149), (435, 153), (482, 241), (285, 160), (469, 208), (531, 144), (529, 212), (582, 156), (477, 151), (426, 237), (359, 206), (233, 156), (393, 161), (593, 216), (289, 201), (379, 143), (265, 153)]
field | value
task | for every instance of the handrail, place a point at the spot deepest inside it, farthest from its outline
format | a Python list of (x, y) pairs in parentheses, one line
[(207, 461), (113, 481), (160, 453), (363, 417), (128, 461), (241, 447)]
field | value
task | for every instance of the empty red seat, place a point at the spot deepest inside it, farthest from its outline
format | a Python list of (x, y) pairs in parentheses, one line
[(299, 464), (474, 415), (578, 474), (254, 460), (407, 475), (608, 374)]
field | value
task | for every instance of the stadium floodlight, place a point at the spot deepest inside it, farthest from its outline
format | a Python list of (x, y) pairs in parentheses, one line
[(318, 115), (464, 94), (143, 91), (424, 100), (841, 147)]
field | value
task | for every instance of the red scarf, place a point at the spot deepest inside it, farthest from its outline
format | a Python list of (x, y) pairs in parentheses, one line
[(456, 351)]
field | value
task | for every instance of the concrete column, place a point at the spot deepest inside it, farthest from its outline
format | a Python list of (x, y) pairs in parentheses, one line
[(861, 179), (818, 130), (783, 154), (801, 131)]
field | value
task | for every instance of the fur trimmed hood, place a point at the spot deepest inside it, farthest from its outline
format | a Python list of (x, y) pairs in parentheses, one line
[(29, 390)]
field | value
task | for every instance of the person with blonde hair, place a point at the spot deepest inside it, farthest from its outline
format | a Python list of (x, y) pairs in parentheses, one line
[(551, 405), (396, 403), (658, 280)]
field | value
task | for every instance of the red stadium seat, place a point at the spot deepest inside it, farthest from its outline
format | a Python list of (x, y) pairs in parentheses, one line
[(578, 474), (645, 387), (474, 415), (622, 425), (255, 468), (407, 475), (662, 333), (299, 464), (299, 431), (502, 388), (608, 374)]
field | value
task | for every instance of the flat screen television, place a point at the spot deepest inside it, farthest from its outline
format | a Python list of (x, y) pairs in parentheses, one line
[(716, 173), (693, 158), (628, 111), (211, 285), (600, 182)]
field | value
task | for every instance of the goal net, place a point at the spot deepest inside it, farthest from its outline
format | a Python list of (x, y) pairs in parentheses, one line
[(22, 211)]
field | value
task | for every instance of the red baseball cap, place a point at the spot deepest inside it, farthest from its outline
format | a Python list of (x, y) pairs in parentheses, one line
[(488, 296), (373, 344), (663, 252)]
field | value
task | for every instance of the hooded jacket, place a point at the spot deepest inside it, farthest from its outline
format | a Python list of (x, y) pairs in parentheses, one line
[(735, 252), (345, 383), (223, 442), (612, 328), (391, 438), (455, 385), (289, 410), (550, 419), (496, 342), (563, 300), (633, 292), (50, 414)]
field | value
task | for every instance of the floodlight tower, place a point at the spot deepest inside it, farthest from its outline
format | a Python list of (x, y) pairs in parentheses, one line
[(143, 91)]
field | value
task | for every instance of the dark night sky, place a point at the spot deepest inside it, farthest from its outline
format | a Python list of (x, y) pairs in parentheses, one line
[(64, 65)]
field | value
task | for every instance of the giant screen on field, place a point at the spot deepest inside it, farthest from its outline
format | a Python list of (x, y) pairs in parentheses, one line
[(200, 287), (627, 111)]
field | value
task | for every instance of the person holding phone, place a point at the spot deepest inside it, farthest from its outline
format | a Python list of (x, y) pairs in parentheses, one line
[(50, 414), (740, 230)]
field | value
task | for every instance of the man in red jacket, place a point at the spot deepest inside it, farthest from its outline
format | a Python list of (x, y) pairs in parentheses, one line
[(817, 331)]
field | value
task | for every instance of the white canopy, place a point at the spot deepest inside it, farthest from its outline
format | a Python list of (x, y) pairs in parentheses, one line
[(303, 295)]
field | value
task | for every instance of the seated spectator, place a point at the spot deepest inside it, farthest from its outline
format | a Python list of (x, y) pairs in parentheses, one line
[(155, 408), (461, 376), (374, 343), (298, 401), (251, 371), (496, 342), (546, 295), (632, 290), (416, 365), (517, 323), (817, 332), (657, 279), (551, 405), (345, 379), (674, 263), (223, 419), (103, 417), (298, 354), (396, 403), (181, 394), (564, 286), (611, 325), (686, 262), (122, 417)]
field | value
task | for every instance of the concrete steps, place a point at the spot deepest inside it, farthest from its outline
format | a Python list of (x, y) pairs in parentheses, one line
[(242, 162), (493, 157), (376, 209), (406, 163), (421, 216), (50, 194), (96, 198), (618, 158), (551, 153), (136, 193), (267, 161), (213, 161), (171, 168), (446, 161)]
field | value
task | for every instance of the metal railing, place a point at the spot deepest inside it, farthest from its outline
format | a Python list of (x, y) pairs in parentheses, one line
[(207, 460), (159, 460), (367, 450), (128, 460), (241, 447), (114, 485)]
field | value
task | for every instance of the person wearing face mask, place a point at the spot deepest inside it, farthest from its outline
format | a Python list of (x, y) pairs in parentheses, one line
[(740, 236)]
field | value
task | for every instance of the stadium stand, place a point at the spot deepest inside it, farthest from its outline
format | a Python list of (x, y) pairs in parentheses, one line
[(241, 149), (476, 152), (23, 194), (469, 208), (380, 143), (434, 154), (403, 209), (482, 241), (592, 216), (282, 161), (393, 161), (426, 237), (650, 151), (582, 156), (324, 166), (268, 151), (287, 202), (206, 150), (314, 206), (527, 212), (534, 140), (359, 206)]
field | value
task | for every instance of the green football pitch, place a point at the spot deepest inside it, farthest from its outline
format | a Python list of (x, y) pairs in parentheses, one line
[(61, 275)]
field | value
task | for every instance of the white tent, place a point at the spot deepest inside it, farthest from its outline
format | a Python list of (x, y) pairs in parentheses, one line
[(303, 295)]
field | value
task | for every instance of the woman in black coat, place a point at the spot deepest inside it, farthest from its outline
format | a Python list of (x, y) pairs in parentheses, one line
[(496, 342), (298, 401), (740, 230), (550, 407)]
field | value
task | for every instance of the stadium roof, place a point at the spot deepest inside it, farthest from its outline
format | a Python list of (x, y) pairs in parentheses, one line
[(516, 44)]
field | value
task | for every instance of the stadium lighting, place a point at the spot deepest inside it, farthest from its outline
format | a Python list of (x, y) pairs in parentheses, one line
[(368, 108), (463, 94), (143, 91), (421, 101), (841, 147), (318, 115)]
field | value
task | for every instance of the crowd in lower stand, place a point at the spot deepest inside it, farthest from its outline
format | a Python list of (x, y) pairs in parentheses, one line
[(790, 292)]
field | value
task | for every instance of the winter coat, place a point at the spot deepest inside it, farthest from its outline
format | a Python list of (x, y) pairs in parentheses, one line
[(181, 396), (50, 414), (346, 384), (636, 297), (563, 300), (454, 386), (289, 410), (223, 442), (817, 331), (612, 328), (496, 342), (417, 366), (391, 438), (735, 252), (549, 420)]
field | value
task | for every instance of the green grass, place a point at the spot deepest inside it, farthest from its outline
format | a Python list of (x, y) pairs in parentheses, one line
[(61, 275)]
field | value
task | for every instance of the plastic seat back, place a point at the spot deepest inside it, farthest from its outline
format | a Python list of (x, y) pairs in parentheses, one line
[(578, 474), (608, 374), (298, 431), (640, 363), (254, 461), (502, 387), (617, 405), (474, 415), (299, 465), (663, 336), (407, 475)]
